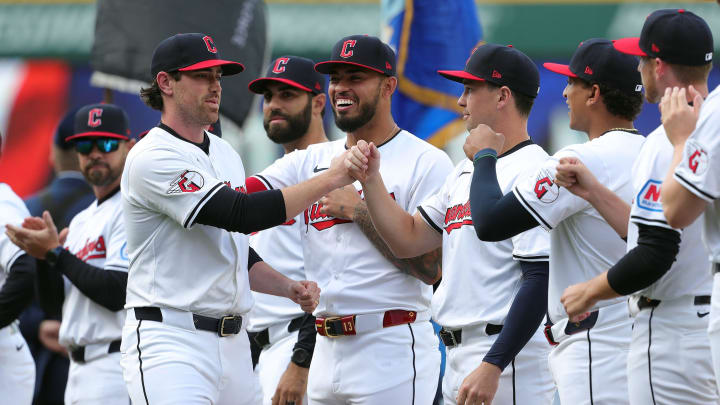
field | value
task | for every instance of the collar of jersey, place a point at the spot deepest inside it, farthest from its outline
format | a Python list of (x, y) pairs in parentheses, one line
[(387, 141), (109, 195), (204, 145), (517, 147)]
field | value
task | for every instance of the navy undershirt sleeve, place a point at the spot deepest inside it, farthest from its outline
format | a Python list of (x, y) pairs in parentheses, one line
[(524, 316), (50, 290), (495, 216), (235, 211), (17, 292), (307, 334), (644, 264), (105, 287), (253, 257)]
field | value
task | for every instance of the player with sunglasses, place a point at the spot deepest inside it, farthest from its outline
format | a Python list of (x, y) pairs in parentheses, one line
[(83, 269)]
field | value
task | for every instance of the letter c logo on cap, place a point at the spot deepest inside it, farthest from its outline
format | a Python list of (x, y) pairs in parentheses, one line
[(280, 65), (210, 44), (345, 53), (94, 117)]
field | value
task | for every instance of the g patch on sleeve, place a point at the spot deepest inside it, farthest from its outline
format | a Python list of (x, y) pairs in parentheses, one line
[(649, 196), (697, 157), (188, 181), (545, 188)]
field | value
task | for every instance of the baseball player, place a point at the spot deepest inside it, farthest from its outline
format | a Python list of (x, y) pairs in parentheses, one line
[(186, 216), (588, 359), (84, 269), (17, 272), (293, 107), (493, 296), (375, 344), (668, 277)]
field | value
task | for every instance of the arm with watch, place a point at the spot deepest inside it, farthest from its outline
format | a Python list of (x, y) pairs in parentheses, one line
[(293, 383)]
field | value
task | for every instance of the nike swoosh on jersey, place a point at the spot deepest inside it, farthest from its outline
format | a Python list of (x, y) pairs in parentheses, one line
[(702, 314), (319, 169), (18, 347), (464, 173)]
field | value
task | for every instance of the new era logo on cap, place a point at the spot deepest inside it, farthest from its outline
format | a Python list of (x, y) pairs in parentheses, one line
[(496, 75), (674, 35), (294, 71), (361, 50), (597, 61)]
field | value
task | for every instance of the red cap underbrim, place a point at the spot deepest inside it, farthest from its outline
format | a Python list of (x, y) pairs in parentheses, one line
[(97, 134), (630, 46), (228, 67), (324, 67), (257, 85), (459, 75), (559, 68)]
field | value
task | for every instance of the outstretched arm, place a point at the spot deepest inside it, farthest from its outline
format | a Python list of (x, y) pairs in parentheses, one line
[(406, 240)]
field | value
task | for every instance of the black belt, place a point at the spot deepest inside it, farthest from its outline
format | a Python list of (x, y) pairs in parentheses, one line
[(452, 338), (225, 326), (646, 302), (262, 338), (78, 353)]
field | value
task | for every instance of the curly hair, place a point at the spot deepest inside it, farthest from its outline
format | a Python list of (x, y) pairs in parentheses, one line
[(152, 96)]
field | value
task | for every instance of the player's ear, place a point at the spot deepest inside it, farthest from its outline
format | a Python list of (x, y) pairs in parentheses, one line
[(594, 95), (318, 103), (164, 83), (131, 143), (504, 96), (389, 85)]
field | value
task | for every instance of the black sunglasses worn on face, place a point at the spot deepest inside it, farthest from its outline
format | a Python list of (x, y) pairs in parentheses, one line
[(104, 145)]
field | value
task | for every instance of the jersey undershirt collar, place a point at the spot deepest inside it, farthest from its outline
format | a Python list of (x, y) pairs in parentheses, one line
[(517, 147), (204, 145), (109, 195)]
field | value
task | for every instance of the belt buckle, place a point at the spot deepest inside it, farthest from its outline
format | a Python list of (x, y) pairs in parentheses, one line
[(221, 330), (325, 326)]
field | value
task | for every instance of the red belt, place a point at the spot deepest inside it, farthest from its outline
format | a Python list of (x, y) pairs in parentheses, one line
[(335, 326)]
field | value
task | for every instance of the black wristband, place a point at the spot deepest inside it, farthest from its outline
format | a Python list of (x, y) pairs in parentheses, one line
[(53, 255)]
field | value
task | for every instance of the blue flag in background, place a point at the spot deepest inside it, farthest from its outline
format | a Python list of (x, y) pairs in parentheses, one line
[(427, 36)]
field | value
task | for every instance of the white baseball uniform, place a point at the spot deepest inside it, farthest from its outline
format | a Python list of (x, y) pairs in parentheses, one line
[(480, 281), (699, 173), (96, 235), (179, 269), (281, 248), (669, 359), (17, 368), (588, 366), (399, 364)]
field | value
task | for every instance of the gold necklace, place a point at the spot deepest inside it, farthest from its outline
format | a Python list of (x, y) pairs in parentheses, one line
[(392, 132)]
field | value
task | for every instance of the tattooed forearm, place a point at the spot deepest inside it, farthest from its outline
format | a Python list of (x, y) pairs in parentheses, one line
[(427, 268)]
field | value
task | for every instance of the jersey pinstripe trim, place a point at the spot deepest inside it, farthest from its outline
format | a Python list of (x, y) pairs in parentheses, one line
[(191, 218), (541, 258), (532, 211), (427, 219), (116, 268), (694, 189), (265, 181)]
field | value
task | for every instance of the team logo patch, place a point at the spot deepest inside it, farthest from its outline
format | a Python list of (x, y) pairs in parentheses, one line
[(280, 65), (346, 50), (545, 188), (95, 117), (457, 216), (697, 157), (187, 182), (93, 249), (649, 196)]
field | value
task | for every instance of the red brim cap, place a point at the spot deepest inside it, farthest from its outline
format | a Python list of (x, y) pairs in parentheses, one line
[(97, 134), (459, 75), (630, 46), (228, 67), (257, 85), (324, 67), (559, 68)]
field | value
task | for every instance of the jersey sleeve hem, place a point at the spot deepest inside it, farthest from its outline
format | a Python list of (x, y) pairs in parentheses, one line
[(13, 258), (651, 222), (427, 219), (265, 181), (533, 258), (694, 189), (190, 221), (543, 223)]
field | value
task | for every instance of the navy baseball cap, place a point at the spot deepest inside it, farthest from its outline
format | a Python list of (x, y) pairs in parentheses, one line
[(501, 65), (101, 121), (674, 35), (65, 129), (361, 50), (185, 52), (294, 71), (597, 61)]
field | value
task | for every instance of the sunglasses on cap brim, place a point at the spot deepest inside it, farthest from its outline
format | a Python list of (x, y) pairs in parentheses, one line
[(104, 145)]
